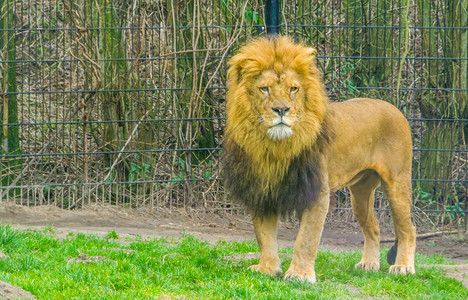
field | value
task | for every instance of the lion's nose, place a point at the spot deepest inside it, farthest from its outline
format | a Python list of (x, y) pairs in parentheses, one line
[(281, 111)]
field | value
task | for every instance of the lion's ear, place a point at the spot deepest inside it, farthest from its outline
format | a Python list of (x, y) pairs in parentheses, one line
[(240, 65), (312, 67), (312, 52), (236, 64)]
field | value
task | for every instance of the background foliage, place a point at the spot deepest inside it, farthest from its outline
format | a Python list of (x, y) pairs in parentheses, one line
[(123, 101)]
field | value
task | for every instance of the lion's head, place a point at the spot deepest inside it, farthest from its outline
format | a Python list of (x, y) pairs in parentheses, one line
[(276, 107), (275, 98)]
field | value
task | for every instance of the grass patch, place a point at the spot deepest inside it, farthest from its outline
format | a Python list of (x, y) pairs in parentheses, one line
[(89, 267)]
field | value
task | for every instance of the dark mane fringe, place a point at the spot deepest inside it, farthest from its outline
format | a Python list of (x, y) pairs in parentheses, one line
[(298, 190)]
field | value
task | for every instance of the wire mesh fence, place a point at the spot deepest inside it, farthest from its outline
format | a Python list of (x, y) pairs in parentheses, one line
[(122, 102)]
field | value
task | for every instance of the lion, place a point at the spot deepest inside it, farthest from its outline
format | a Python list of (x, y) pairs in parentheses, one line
[(286, 146)]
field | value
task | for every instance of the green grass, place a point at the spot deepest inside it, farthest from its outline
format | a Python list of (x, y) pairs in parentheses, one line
[(191, 268)]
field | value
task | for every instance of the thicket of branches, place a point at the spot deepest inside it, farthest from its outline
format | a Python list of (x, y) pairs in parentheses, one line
[(130, 94)]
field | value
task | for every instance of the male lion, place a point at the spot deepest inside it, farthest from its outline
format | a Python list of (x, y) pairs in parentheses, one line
[(286, 147)]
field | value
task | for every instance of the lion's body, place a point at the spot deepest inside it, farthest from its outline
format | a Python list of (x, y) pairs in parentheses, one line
[(369, 135), (286, 147)]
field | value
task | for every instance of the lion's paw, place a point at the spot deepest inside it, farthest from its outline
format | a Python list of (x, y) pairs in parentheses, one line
[(273, 271), (368, 266), (308, 276), (401, 269)]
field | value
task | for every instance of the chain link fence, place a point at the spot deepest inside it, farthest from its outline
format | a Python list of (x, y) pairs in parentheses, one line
[(122, 102)]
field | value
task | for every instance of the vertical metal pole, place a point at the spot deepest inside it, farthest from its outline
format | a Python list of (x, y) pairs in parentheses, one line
[(272, 16)]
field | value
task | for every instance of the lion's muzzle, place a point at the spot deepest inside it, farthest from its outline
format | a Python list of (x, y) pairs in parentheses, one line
[(281, 126)]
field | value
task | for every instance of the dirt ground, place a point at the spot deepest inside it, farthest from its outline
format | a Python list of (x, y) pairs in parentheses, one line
[(337, 236)]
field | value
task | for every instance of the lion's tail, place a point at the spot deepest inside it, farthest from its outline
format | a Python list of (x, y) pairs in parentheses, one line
[(391, 255)]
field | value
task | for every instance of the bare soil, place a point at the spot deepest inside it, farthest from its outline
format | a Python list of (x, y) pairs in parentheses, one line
[(8, 291), (212, 227)]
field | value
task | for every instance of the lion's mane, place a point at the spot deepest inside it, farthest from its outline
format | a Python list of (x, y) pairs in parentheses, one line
[(270, 176)]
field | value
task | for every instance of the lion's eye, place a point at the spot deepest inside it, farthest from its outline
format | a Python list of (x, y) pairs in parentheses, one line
[(264, 89), (293, 89)]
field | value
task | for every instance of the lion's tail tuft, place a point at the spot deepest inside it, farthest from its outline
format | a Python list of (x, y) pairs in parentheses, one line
[(392, 253)]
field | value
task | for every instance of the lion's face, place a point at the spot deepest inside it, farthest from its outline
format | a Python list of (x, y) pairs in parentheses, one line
[(277, 101)]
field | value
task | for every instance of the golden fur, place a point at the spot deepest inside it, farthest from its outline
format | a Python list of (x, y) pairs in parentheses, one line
[(246, 75), (286, 147)]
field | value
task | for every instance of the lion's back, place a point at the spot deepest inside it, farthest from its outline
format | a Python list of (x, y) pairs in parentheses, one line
[(369, 116)]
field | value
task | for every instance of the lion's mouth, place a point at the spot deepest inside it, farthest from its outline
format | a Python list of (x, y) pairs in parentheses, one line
[(280, 131), (282, 121)]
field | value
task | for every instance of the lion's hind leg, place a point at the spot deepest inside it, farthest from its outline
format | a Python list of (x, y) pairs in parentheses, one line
[(362, 202), (398, 192)]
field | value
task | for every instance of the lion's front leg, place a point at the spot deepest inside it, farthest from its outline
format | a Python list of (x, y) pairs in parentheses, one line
[(265, 231), (308, 238)]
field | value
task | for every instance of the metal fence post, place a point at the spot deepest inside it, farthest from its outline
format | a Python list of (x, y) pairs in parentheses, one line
[(272, 16)]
